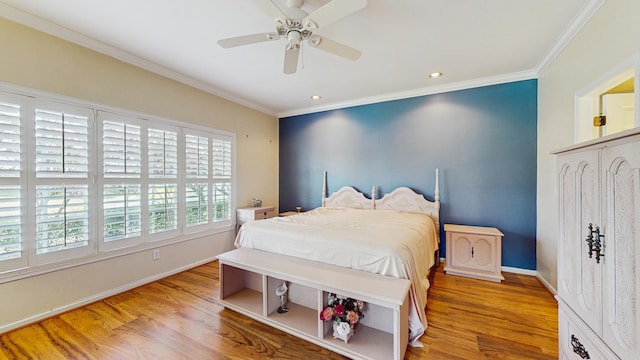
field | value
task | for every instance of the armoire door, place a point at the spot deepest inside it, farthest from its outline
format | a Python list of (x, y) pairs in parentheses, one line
[(621, 190), (580, 278)]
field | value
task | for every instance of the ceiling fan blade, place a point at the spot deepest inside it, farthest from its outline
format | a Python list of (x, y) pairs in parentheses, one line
[(337, 48), (291, 60), (247, 39), (334, 11), (271, 9)]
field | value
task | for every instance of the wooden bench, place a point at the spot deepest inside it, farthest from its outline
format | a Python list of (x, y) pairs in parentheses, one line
[(248, 279)]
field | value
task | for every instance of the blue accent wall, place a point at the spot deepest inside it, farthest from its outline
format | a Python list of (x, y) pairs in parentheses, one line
[(483, 140)]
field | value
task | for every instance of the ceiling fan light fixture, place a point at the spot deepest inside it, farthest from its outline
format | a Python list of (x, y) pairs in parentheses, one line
[(297, 26), (435, 75)]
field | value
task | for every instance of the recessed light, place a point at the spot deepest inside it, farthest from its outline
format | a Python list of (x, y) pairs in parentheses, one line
[(316, 97), (435, 75)]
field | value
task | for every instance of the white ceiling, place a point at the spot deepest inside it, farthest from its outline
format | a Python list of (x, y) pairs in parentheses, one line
[(473, 42)]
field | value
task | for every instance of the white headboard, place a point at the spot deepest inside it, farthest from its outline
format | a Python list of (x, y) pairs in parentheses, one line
[(400, 199), (349, 197)]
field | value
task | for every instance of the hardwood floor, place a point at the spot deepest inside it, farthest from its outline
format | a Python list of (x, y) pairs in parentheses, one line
[(179, 318)]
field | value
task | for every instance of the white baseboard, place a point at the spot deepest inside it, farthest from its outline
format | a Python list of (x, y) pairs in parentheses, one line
[(547, 285), (510, 269), (100, 296), (519, 271)]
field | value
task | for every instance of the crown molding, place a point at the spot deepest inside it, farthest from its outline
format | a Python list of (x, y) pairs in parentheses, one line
[(587, 12), (63, 33), (462, 85)]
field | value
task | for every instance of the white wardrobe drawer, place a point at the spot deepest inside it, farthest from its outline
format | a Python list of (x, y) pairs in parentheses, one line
[(577, 341)]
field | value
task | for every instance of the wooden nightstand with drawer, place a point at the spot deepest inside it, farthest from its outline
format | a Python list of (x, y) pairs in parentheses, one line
[(247, 214)]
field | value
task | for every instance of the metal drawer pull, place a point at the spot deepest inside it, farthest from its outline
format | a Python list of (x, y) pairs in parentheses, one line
[(578, 348), (595, 245)]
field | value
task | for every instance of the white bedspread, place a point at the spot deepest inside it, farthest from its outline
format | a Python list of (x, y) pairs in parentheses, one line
[(386, 242)]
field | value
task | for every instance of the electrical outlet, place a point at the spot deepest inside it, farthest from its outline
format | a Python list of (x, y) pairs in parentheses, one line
[(156, 254)]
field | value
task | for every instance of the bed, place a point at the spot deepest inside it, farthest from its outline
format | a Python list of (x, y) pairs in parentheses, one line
[(397, 235)]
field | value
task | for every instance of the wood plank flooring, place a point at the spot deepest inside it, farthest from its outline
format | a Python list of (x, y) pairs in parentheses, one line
[(179, 318)]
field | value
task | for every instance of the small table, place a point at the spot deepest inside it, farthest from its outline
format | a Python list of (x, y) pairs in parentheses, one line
[(247, 214), (474, 251)]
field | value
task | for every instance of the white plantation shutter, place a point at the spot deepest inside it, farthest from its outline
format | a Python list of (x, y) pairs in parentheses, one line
[(221, 159), (163, 153), (71, 191), (121, 149), (162, 194), (163, 207), (10, 190), (197, 204), (122, 212), (62, 144), (10, 159), (197, 156), (63, 187), (122, 196), (62, 217), (198, 178), (10, 223), (222, 201), (222, 176)]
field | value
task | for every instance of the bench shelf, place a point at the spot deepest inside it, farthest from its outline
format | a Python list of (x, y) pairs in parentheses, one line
[(249, 278)]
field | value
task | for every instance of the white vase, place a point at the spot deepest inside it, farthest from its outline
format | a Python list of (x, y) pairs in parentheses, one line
[(343, 331)]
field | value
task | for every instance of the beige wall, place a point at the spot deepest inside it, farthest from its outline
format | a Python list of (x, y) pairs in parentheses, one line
[(608, 39), (35, 60)]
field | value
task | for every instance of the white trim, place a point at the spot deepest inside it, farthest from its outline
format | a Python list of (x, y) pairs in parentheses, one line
[(463, 85), (40, 24), (510, 269), (547, 285), (569, 33), (520, 271), (100, 296), (50, 28)]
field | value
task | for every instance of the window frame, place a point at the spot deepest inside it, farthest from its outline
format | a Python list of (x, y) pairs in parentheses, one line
[(29, 119), (30, 263), (102, 181)]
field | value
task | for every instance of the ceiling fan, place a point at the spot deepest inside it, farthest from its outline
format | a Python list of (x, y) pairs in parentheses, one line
[(297, 26)]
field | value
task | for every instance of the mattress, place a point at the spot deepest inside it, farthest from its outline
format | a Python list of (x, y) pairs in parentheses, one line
[(386, 242)]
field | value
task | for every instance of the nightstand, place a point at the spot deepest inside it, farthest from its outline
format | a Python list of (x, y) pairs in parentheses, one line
[(474, 251), (247, 214)]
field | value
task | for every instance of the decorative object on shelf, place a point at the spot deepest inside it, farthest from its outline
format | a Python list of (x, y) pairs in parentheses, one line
[(281, 291), (345, 313), (257, 202)]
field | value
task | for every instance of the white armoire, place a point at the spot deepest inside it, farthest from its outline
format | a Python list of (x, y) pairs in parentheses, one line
[(599, 248)]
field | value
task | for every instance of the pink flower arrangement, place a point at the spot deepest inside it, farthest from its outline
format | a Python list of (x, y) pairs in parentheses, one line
[(342, 309)]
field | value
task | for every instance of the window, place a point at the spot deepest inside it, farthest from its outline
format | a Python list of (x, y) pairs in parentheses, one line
[(77, 181), (222, 176), (163, 176), (121, 183), (62, 190), (208, 175)]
